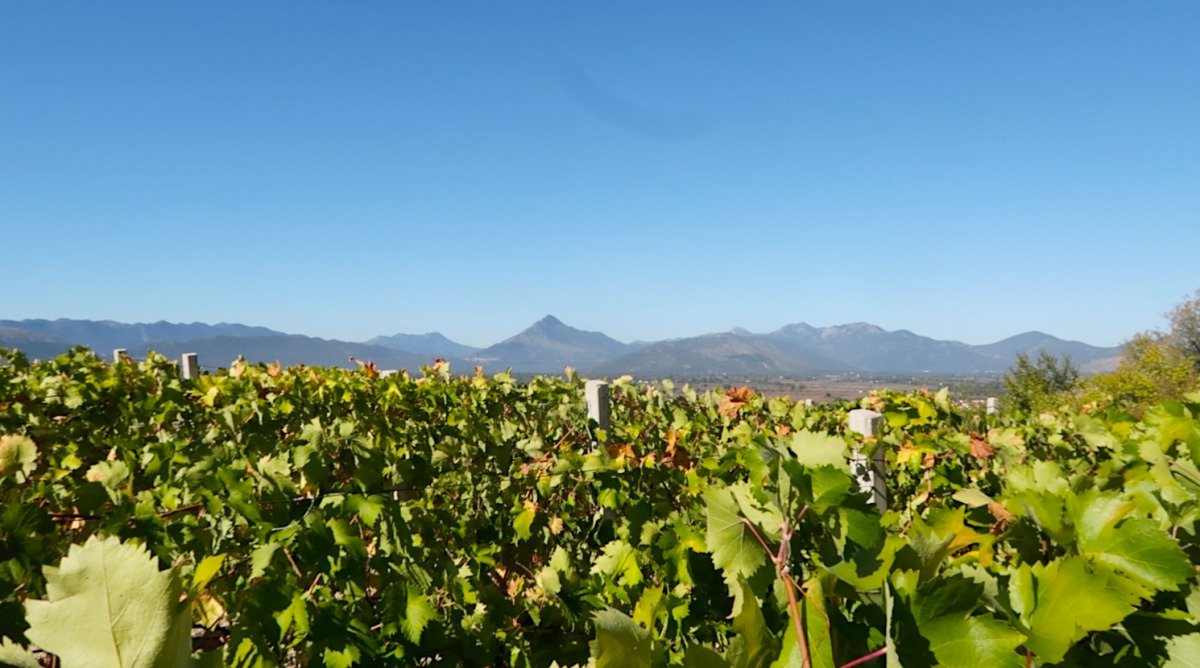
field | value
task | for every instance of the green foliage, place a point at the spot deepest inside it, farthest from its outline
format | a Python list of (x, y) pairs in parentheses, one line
[(1153, 368), (110, 605), (1035, 385), (620, 642), (337, 517)]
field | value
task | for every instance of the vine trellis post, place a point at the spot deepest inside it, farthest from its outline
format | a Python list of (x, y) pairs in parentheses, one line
[(595, 393), (872, 475)]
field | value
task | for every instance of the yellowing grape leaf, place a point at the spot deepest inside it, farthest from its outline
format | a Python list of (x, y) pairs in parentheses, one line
[(109, 605)]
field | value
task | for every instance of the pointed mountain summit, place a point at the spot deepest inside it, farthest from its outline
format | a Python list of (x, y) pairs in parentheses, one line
[(433, 343), (549, 345), (795, 330)]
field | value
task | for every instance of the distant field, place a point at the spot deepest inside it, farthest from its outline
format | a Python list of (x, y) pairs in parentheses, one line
[(833, 389)]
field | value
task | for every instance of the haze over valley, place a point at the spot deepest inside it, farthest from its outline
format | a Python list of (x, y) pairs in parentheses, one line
[(549, 346)]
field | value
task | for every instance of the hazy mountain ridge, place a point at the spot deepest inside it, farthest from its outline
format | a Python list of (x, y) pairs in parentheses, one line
[(104, 335), (290, 349), (549, 345), (718, 354), (432, 343), (870, 347)]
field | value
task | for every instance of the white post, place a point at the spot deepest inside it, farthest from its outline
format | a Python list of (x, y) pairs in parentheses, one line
[(596, 394), (118, 353), (189, 366), (871, 477), (993, 405), (808, 403)]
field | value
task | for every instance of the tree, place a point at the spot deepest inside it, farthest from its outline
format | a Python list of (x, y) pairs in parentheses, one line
[(1185, 328), (1036, 385), (1153, 368)]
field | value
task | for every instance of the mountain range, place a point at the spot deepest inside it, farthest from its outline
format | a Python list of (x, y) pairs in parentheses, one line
[(549, 345)]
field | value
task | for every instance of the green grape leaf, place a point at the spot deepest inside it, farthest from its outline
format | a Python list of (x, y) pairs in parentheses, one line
[(646, 610), (1140, 550), (1061, 602), (619, 560), (967, 642), (206, 570), (813, 450), (754, 646), (110, 605), (294, 616), (343, 658), (110, 474), (523, 521), (346, 537), (1136, 547), (15, 656), (699, 656), (18, 456), (733, 546), (971, 497), (1183, 651), (943, 612), (418, 612), (620, 642), (936, 536), (260, 558)]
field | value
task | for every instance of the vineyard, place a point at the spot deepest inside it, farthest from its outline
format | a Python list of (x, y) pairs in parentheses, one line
[(261, 516)]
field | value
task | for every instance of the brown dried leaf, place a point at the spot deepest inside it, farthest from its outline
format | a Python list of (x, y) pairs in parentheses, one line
[(734, 399), (676, 456), (981, 449), (367, 367), (1002, 515), (621, 450)]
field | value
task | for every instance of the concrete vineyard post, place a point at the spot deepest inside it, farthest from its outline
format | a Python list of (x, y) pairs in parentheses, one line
[(189, 366), (118, 353), (871, 476), (598, 409), (993, 405)]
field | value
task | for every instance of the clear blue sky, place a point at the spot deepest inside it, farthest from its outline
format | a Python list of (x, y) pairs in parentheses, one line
[(650, 170)]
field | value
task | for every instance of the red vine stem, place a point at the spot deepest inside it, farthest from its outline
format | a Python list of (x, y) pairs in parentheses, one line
[(797, 622), (868, 657), (781, 569)]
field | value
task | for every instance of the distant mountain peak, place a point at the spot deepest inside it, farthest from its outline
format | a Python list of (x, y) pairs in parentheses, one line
[(548, 345), (741, 331), (796, 328)]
